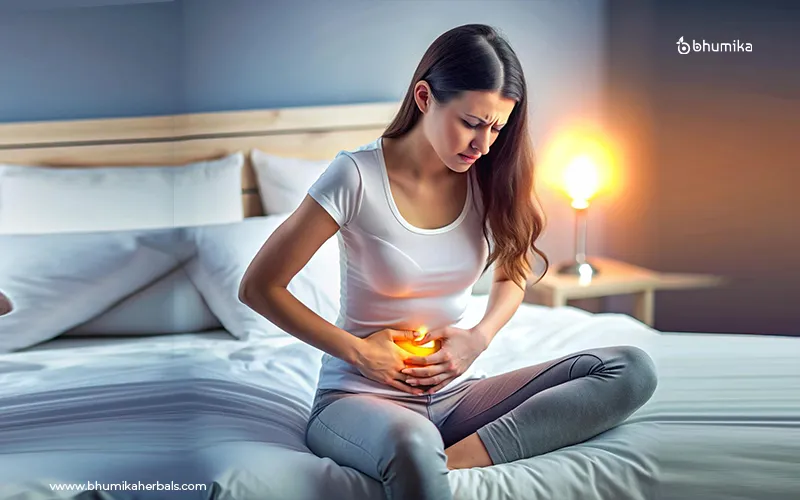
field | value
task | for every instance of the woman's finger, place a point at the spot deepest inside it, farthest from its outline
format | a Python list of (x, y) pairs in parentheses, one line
[(434, 380), (432, 359), (405, 388), (440, 385), (402, 335), (437, 334), (426, 371)]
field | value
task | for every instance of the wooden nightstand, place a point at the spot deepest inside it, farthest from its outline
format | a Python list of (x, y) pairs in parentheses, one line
[(615, 278)]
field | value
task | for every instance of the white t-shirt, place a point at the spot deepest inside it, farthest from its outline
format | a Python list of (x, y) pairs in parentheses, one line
[(394, 275)]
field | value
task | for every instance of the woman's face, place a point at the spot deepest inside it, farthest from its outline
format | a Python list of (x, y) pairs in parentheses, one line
[(464, 129)]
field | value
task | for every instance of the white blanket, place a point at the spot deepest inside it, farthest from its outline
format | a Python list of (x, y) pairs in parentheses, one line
[(723, 423)]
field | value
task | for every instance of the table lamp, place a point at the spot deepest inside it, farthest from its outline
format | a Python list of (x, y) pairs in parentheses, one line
[(581, 183)]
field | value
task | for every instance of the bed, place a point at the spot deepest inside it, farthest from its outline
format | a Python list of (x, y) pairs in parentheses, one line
[(220, 411)]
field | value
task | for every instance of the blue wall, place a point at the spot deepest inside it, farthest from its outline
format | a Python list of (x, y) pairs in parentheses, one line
[(165, 57), (90, 62), (213, 55)]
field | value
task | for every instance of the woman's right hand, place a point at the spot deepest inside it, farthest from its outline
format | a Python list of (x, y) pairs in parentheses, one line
[(381, 360)]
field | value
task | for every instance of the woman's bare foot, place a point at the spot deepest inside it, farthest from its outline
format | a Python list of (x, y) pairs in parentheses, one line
[(5, 304), (467, 453)]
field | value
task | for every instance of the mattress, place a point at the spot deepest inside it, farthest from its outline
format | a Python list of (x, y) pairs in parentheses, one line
[(205, 409), (114, 341)]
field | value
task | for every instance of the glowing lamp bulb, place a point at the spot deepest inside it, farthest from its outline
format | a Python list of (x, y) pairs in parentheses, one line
[(581, 180)]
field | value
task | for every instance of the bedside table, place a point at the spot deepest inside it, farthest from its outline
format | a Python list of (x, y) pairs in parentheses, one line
[(5, 304), (615, 278)]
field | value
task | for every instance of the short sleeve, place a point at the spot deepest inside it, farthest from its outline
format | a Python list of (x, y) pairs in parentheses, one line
[(339, 189)]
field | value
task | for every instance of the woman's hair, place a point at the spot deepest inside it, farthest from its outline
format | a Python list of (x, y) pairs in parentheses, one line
[(476, 57)]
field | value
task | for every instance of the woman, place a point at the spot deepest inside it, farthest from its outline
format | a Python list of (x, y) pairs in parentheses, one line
[(420, 213)]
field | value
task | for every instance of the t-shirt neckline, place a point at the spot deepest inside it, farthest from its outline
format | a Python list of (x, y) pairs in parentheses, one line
[(396, 211)]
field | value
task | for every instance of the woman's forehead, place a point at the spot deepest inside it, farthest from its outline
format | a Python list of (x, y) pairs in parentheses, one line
[(486, 106)]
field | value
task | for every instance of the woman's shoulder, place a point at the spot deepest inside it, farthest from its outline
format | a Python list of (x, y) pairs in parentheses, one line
[(360, 161), (368, 147), (364, 155)]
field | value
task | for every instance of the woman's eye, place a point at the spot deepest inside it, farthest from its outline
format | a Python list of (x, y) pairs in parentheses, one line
[(469, 125)]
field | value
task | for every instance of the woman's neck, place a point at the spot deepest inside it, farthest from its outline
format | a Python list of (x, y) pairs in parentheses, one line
[(414, 154)]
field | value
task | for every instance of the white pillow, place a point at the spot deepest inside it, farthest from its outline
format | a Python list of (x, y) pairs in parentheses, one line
[(170, 305), (284, 182), (57, 281), (35, 200), (223, 254)]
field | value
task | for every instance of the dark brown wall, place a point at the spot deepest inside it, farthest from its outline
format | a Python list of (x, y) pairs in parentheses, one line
[(712, 143)]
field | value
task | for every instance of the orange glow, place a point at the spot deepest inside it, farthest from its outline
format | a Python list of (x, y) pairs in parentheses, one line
[(425, 349), (419, 350), (580, 161)]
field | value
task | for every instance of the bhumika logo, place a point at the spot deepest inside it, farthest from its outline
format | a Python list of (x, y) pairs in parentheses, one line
[(703, 46)]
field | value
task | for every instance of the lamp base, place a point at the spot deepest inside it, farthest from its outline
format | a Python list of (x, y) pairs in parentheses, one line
[(578, 268)]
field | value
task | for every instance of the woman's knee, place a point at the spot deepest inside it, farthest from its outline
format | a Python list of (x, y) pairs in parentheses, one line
[(414, 443), (641, 377)]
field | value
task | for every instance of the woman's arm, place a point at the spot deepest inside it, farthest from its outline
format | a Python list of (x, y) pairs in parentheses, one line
[(264, 289), (504, 300), (283, 255), (460, 348)]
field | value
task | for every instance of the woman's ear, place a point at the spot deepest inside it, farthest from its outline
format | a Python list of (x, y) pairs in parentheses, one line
[(422, 96)]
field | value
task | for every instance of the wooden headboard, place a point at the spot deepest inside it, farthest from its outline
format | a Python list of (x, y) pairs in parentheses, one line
[(313, 133)]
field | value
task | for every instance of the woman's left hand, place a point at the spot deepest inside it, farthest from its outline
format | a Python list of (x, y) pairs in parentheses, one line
[(459, 350)]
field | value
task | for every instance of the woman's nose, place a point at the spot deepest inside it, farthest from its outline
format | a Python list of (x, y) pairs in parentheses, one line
[(481, 142)]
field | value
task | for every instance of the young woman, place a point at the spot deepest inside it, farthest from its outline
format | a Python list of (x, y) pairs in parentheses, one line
[(420, 213)]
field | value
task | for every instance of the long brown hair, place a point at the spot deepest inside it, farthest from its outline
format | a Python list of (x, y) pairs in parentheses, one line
[(476, 57)]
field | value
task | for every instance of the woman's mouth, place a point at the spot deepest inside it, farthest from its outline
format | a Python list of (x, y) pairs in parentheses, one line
[(467, 159)]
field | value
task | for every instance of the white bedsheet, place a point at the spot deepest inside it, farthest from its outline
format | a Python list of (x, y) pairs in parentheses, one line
[(723, 423)]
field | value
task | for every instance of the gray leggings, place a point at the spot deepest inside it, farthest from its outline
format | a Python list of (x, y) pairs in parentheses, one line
[(400, 440)]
